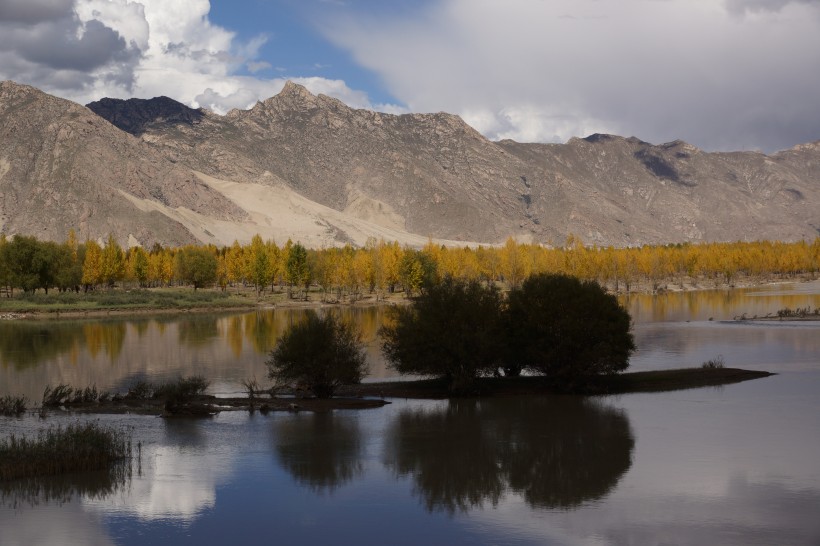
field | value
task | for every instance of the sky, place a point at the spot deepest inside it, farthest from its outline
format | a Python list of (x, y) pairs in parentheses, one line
[(719, 74)]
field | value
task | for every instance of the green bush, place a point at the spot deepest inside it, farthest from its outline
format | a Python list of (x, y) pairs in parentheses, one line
[(566, 329), (320, 353), (452, 331)]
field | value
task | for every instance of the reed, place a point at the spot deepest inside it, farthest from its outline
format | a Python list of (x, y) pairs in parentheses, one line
[(79, 447), (13, 406)]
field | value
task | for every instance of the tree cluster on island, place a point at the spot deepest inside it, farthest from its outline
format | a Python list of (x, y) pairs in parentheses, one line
[(552, 325)]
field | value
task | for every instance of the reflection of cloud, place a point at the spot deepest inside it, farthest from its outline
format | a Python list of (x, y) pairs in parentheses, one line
[(67, 526), (175, 485), (769, 511)]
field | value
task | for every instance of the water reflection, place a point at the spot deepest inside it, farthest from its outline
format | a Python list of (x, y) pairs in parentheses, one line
[(108, 336), (557, 452), (198, 330), (321, 451), (26, 344), (61, 489), (749, 512), (721, 304)]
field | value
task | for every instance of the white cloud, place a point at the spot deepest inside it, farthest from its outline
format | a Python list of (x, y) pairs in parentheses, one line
[(87, 49), (689, 69)]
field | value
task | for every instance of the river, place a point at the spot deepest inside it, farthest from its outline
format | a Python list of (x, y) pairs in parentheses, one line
[(731, 465)]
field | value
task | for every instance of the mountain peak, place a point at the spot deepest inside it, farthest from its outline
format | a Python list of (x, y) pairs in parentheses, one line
[(135, 115), (295, 90)]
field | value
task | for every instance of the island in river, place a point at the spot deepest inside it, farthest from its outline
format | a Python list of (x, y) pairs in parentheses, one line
[(375, 395)]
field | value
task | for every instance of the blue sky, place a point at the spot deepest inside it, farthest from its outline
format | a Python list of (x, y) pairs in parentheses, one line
[(720, 74), (294, 46)]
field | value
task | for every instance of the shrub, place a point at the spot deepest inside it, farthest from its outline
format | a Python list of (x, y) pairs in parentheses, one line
[(564, 328), (714, 363), (452, 330), (182, 389), (321, 353)]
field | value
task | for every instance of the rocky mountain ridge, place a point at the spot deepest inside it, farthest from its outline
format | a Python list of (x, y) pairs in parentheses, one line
[(309, 167)]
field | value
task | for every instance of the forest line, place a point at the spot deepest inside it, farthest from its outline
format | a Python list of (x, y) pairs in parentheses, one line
[(381, 267)]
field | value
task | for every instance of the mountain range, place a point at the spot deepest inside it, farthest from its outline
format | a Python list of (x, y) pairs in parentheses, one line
[(312, 169)]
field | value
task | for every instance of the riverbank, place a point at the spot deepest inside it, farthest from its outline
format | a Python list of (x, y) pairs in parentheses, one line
[(376, 395), (178, 301)]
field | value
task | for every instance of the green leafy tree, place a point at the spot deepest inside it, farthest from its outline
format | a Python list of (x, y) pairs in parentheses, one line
[(196, 266), (27, 263), (138, 264), (564, 328), (258, 263), (4, 267), (321, 353), (452, 330), (298, 271)]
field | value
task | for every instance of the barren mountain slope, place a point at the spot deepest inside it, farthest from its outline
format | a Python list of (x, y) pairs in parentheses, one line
[(63, 167), (627, 191), (431, 174)]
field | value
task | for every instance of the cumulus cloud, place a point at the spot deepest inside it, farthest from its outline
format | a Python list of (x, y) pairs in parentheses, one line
[(722, 74), (87, 49)]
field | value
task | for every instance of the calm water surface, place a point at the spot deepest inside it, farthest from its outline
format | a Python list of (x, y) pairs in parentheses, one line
[(733, 465)]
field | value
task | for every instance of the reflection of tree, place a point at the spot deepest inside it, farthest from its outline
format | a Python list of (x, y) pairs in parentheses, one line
[(558, 452), (235, 337), (196, 331), (28, 344), (562, 452), (141, 326), (260, 330), (453, 464), (321, 450), (108, 335)]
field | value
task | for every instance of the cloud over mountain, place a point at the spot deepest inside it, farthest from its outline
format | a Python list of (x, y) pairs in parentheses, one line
[(723, 75)]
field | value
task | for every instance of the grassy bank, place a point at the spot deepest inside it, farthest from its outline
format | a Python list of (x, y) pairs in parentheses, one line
[(127, 301)]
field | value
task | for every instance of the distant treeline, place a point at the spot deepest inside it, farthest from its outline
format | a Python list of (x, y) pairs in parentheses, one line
[(382, 267)]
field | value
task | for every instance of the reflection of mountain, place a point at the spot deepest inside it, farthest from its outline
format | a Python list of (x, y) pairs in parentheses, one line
[(322, 450), (557, 452)]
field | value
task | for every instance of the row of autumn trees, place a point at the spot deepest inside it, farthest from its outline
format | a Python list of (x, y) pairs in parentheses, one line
[(379, 267)]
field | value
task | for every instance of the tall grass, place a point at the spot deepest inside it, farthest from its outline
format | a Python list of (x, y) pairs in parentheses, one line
[(13, 406), (79, 447), (63, 395), (714, 363)]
